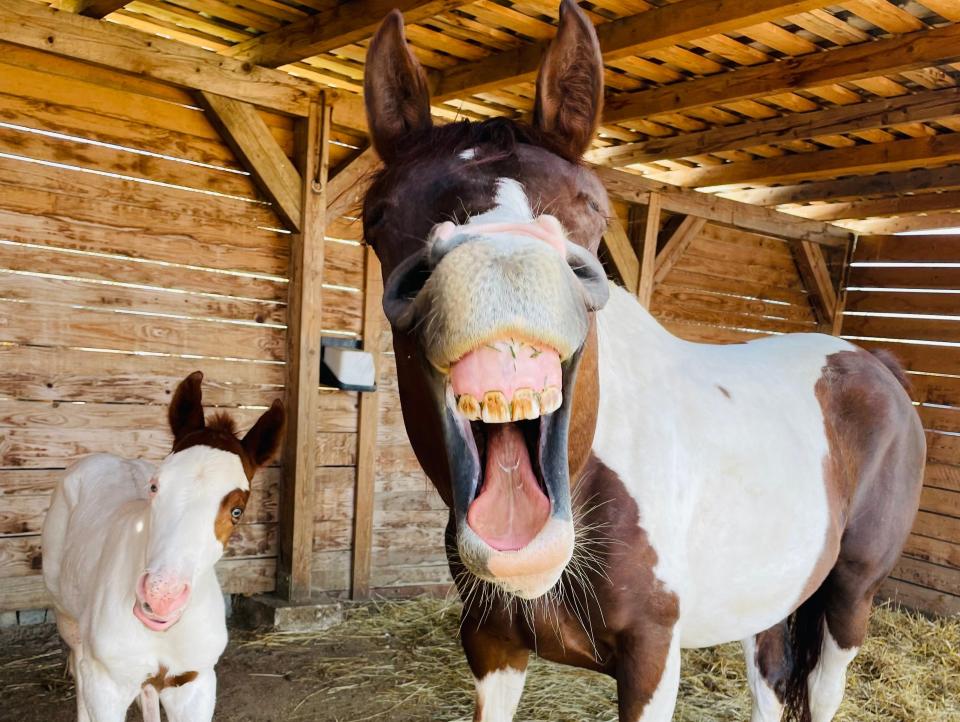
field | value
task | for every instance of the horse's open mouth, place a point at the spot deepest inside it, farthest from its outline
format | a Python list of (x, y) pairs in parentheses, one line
[(154, 622), (509, 397)]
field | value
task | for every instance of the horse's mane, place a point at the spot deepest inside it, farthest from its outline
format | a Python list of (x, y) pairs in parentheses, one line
[(222, 423)]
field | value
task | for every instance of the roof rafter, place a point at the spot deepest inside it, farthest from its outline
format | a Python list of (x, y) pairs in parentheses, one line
[(793, 126), (869, 59), (92, 8), (650, 30), (899, 206)]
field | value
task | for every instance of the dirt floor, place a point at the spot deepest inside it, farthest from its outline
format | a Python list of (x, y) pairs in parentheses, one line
[(399, 661)]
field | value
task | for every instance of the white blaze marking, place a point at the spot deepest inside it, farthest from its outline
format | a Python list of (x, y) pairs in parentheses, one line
[(511, 206), (498, 694), (825, 684)]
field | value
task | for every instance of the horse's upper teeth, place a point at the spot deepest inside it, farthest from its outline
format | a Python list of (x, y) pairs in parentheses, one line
[(497, 409)]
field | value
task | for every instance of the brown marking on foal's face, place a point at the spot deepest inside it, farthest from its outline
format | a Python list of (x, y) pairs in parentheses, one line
[(229, 514), (425, 181)]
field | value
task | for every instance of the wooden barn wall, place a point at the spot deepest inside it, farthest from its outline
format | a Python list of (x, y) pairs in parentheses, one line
[(903, 295), (133, 251)]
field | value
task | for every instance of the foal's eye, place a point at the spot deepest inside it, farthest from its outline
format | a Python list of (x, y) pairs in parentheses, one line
[(236, 513)]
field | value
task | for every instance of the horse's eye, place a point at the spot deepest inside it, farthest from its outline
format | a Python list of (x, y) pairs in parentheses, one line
[(236, 513)]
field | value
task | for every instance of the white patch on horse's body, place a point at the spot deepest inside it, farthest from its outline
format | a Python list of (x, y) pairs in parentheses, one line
[(498, 694), (661, 705), (95, 545), (468, 154), (826, 683), (722, 447), (766, 706)]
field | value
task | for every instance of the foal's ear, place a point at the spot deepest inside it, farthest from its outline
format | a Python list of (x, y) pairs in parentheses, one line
[(570, 84), (263, 440), (394, 89), (186, 408)]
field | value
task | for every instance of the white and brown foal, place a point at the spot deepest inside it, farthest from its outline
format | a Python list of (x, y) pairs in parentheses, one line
[(648, 493), (128, 557)]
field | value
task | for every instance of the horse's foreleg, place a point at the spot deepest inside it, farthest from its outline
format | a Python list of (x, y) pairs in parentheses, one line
[(648, 675), (192, 701), (768, 669), (499, 665), (104, 700)]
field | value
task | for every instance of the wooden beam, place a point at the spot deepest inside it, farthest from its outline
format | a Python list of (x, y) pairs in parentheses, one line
[(876, 185), (902, 205), (367, 435), (113, 46), (634, 188), (656, 28), (248, 136), (816, 277), (339, 25), (651, 231), (304, 315), (92, 8), (894, 155), (348, 186), (938, 221), (622, 254), (863, 60), (676, 245), (794, 126)]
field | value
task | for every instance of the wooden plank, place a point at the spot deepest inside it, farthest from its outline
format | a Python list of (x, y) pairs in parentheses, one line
[(908, 248), (925, 574), (248, 136), (940, 419), (941, 501), (621, 252), (944, 278), (703, 333), (113, 46), (702, 280), (922, 203), (933, 221), (816, 278), (937, 526), (861, 159), (332, 28), (367, 437), (914, 596), (676, 246), (350, 183), (92, 8), (651, 30), (912, 181), (668, 295), (303, 361), (906, 328), (635, 189), (237, 576), (895, 302), (918, 357), (671, 314), (936, 389), (651, 230), (944, 449), (780, 129), (862, 60)]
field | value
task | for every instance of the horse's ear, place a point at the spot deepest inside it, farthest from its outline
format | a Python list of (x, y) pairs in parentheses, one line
[(186, 408), (570, 85), (263, 440), (394, 89)]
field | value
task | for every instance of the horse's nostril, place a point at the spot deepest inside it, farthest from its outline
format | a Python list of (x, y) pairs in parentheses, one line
[(147, 608)]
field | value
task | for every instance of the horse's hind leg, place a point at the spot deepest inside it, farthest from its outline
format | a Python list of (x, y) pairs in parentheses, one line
[(769, 662)]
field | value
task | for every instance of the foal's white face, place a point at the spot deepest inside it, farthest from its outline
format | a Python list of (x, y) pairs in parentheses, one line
[(196, 499)]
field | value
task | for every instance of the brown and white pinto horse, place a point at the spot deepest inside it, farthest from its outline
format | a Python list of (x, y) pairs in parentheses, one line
[(648, 493)]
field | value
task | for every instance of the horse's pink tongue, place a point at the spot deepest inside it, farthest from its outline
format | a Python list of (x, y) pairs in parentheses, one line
[(506, 366), (511, 508)]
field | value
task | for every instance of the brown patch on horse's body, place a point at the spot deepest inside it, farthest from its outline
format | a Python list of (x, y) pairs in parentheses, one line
[(626, 627), (161, 680)]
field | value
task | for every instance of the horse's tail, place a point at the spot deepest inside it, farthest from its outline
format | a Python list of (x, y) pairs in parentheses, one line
[(806, 638), (893, 365)]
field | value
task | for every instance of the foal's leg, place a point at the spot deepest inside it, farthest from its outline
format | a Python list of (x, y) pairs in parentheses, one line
[(70, 633), (193, 701), (648, 675), (104, 700), (498, 661), (768, 669)]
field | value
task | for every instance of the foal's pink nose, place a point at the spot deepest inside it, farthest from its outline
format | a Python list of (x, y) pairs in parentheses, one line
[(163, 594)]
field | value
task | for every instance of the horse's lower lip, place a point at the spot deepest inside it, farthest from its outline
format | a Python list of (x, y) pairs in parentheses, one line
[(152, 621)]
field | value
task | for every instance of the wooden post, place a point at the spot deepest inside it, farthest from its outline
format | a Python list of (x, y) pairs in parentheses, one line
[(367, 436), (303, 361), (649, 251), (837, 327)]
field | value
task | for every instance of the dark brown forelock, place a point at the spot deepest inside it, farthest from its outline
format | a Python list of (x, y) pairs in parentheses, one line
[(219, 433)]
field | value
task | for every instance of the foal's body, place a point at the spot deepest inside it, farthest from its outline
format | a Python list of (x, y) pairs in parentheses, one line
[(103, 501), (710, 506)]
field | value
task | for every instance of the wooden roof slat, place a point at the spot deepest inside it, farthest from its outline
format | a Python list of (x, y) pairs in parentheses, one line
[(654, 29), (903, 205), (871, 157), (863, 60), (340, 25), (860, 186), (937, 221), (96, 9)]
